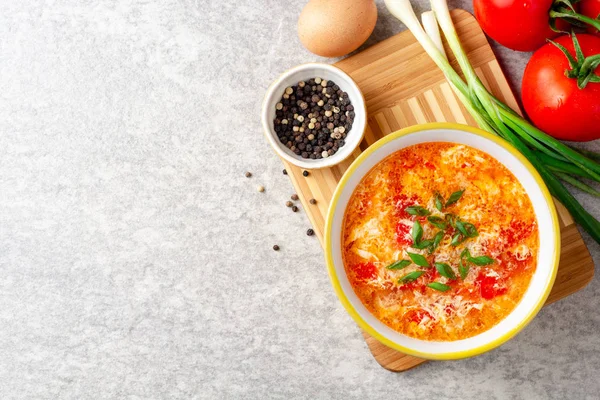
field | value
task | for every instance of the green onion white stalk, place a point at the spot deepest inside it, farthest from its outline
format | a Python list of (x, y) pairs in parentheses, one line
[(553, 159)]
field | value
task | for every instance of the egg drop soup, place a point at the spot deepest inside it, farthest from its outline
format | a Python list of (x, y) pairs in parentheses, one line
[(440, 241)]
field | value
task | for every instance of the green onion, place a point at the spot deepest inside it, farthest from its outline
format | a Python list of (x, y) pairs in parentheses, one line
[(417, 210), (454, 197), (451, 218), (417, 232), (463, 270), (481, 260), (445, 270), (399, 265), (438, 222), (439, 202), (418, 259), (461, 228), (437, 239), (471, 230), (439, 286), (410, 276), (422, 244), (496, 117), (457, 239)]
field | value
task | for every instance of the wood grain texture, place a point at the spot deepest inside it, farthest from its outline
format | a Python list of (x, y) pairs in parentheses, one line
[(403, 87)]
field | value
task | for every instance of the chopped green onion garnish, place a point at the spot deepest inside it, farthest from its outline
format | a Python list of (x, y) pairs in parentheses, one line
[(399, 264), (439, 202), (463, 270), (423, 244), (418, 259), (438, 222), (410, 276), (417, 210), (454, 197), (461, 228), (439, 286), (417, 232), (445, 270), (481, 260), (471, 230), (457, 239), (437, 239)]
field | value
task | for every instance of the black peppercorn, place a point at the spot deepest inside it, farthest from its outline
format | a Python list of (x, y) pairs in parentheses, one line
[(248, 174), (294, 208), (294, 197), (307, 114), (276, 248), (288, 203), (310, 232), (312, 201), (285, 172), (305, 173)]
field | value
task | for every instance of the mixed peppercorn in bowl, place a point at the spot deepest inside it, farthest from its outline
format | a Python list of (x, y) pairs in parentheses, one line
[(314, 116)]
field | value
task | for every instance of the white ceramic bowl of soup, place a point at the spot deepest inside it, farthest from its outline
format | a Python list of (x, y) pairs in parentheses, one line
[(548, 253), (304, 72)]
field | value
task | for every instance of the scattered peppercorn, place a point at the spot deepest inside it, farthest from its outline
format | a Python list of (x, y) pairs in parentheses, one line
[(310, 232), (294, 208), (294, 197), (285, 171), (261, 189), (248, 174), (276, 248), (312, 201), (313, 118), (288, 203)]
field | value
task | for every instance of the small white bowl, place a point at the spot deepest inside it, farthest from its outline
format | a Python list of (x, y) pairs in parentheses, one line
[(549, 235), (305, 72)]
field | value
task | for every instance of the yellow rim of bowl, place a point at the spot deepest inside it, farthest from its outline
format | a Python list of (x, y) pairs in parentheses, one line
[(329, 253)]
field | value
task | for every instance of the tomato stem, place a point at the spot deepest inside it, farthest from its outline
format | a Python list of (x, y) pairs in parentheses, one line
[(564, 9), (582, 68)]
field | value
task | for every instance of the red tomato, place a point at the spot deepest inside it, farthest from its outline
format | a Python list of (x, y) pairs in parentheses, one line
[(365, 271), (590, 8), (489, 286), (418, 315), (553, 101), (403, 234), (517, 24)]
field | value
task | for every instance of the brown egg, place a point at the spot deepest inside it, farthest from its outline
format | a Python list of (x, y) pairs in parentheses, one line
[(333, 28)]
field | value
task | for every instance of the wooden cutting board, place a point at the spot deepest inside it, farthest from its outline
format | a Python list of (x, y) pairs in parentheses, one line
[(403, 87)]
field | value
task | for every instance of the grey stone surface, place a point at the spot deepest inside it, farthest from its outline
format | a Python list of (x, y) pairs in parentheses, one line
[(136, 258)]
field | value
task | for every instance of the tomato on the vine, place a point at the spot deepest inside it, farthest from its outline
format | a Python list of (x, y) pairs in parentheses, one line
[(562, 98), (591, 9), (522, 25)]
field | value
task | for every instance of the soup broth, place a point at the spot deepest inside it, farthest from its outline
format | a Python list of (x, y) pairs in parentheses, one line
[(440, 241)]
